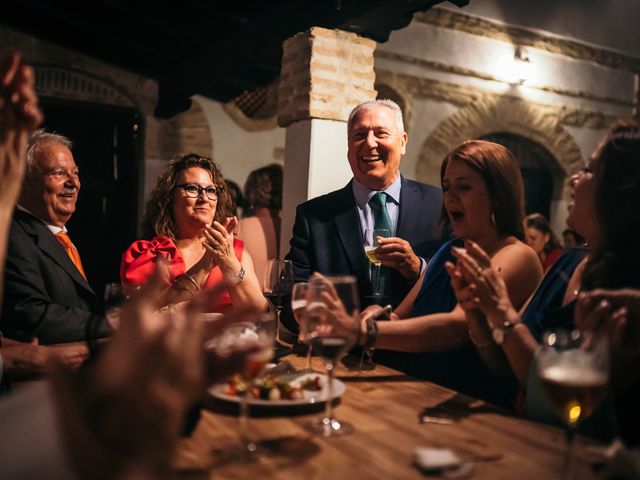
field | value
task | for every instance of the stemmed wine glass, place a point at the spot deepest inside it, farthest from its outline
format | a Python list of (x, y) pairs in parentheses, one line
[(276, 287), (574, 370), (370, 246), (258, 339), (298, 306), (114, 300), (332, 325)]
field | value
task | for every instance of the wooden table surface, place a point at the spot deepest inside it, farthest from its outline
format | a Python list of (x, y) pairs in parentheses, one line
[(384, 407)]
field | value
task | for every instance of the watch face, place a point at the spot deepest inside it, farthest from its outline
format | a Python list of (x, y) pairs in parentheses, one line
[(498, 336)]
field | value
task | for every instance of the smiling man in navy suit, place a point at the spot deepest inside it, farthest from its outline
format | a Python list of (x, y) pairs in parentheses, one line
[(328, 234), (47, 296)]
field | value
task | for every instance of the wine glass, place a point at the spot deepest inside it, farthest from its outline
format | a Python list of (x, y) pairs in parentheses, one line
[(114, 299), (370, 246), (332, 325), (574, 370), (276, 287), (298, 306), (258, 339)]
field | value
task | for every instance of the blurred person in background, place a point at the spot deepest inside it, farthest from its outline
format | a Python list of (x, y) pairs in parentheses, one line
[(237, 207), (572, 239), (540, 237), (260, 229)]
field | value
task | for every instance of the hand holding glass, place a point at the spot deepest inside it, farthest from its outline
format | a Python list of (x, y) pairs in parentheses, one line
[(332, 325), (370, 247), (298, 306)]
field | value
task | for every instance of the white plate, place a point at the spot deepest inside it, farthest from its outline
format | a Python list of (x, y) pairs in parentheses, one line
[(309, 397)]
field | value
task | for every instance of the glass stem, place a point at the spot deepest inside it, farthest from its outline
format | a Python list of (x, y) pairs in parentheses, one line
[(328, 405), (243, 422), (278, 310), (309, 369), (375, 281), (567, 467)]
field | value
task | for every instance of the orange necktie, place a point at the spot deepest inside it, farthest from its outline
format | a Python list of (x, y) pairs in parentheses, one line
[(71, 250)]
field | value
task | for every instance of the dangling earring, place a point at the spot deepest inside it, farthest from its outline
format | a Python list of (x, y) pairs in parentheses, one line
[(493, 220)]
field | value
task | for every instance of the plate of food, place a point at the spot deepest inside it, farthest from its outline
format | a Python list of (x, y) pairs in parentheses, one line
[(294, 389)]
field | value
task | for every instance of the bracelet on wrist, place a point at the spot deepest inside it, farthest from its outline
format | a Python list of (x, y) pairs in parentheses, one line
[(371, 336), (240, 274)]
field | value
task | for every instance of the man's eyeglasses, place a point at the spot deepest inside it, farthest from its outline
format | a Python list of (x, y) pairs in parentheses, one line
[(193, 190)]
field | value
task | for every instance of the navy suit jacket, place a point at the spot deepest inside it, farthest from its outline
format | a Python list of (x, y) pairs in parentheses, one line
[(45, 296), (327, 238)]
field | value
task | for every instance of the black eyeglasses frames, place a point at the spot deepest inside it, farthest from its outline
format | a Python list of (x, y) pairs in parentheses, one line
[(194, 190)]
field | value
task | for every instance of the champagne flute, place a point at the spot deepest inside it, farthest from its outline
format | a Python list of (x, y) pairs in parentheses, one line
[(377, 286), (276, 286), (574, 371), (370, 246), (298, 306), (258, 338), (332, 324)]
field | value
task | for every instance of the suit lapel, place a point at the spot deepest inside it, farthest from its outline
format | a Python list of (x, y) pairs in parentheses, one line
[(409, 204), (46, 241), (348, 227)]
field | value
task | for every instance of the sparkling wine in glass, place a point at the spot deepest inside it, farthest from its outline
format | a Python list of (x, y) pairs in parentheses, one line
[(276, 286), (258, 338), (370, 247), (298, 306), (332, 325), (574, 371)]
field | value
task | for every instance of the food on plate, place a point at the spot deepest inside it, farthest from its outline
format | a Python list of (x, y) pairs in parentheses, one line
[(272, 387)]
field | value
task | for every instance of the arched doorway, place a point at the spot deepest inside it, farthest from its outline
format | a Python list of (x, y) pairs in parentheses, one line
[(536, 165)]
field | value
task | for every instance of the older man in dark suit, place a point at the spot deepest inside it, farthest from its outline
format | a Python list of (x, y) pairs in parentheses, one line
[(328, 234), (46, 291)]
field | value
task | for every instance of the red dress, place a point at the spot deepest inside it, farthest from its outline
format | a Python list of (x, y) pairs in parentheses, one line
[(138, 263), (551, 258)]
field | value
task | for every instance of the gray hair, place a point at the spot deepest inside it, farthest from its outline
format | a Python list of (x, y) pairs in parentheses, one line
[(37, 140), (386, 103)]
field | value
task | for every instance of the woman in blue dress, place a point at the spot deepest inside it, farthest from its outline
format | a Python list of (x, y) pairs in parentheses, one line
[(605, 209), (483, 200)]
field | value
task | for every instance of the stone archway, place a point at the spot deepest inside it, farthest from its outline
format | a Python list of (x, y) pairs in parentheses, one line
[(503, 114)]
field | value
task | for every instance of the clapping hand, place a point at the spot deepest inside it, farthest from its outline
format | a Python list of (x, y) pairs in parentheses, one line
[(481, 285), (219, 244), (19, 116)]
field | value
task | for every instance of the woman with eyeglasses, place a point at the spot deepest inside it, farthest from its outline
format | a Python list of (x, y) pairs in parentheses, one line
[(188, 222)]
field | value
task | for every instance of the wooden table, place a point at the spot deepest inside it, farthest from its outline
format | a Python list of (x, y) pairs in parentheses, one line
[(384, 407)]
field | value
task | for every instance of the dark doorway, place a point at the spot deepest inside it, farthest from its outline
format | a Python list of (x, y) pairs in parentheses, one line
[(535, 165), (107, 147)]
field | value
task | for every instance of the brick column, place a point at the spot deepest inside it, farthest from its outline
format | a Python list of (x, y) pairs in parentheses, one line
[(325, 73)]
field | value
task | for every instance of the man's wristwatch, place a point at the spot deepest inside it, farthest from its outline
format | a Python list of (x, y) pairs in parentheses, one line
[(500, 334)]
